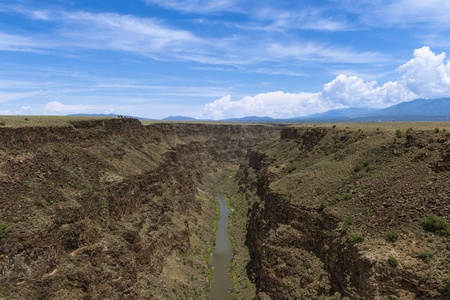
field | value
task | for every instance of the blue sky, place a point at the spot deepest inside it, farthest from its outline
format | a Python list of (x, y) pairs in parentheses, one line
[(220, 59)]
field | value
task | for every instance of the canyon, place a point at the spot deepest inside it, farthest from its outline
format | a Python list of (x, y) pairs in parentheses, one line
[(113, 208)]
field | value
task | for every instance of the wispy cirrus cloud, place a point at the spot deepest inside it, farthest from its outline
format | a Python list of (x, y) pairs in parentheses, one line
[(101, 31), (11, 96), (125, 32), (262, 16), (149, 37), (153, 38), (400, 13), (314, 51), (14, 42), (198, 6), (298, 17), (179, 91)]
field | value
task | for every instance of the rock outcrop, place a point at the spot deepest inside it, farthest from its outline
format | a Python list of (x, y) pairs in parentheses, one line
[(111, 209), (323, 201)]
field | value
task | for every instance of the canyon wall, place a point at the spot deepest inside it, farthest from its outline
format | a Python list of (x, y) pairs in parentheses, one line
[(336, 212), (112, 209)]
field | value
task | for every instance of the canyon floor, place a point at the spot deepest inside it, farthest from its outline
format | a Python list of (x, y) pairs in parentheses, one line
[(119, 209)]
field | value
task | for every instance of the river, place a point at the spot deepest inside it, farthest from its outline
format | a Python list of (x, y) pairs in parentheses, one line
[(221, 257)]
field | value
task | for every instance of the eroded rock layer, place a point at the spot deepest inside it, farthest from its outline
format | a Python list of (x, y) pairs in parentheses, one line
[(337, 212), (111, 209)]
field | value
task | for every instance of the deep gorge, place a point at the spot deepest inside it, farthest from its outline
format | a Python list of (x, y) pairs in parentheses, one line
[(113, 209)]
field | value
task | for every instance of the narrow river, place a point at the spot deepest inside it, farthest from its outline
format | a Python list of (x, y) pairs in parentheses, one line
[(222, 255)]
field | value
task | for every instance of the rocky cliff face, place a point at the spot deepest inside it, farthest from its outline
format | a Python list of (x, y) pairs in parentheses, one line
[(111, 209), (337, 213)]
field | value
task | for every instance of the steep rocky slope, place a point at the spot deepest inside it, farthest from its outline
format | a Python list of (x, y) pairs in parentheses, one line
[(339, 212), (111, 209)]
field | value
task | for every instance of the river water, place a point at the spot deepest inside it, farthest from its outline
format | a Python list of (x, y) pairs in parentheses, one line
[(221, 257)]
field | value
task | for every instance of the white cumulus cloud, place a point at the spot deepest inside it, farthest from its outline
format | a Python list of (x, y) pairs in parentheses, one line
[(427, 75), (274, 104), (24, 110), (352, 91), (21, 111), (58, 108)]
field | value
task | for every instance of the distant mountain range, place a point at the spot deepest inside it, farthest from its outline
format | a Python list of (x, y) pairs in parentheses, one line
[(110, 116), (419, 108), (179, 118), (415, 110)]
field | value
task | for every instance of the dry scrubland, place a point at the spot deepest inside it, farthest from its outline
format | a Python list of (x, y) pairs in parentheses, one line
[(107, 207), (357, 210), (30, 121)]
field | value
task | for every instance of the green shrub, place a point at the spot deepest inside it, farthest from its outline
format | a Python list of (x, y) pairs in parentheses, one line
[(398, 153), (2, 123), (436, 130), (336, 199), (391, 236), (322, 206), (5, 290), (436, 224), (292, 169), (4, 231), (446, 286), (348, 220), (425, 256), (357, 168), (347, 196), (399, 133), (334, 126), (356, 238), (392, 261)]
